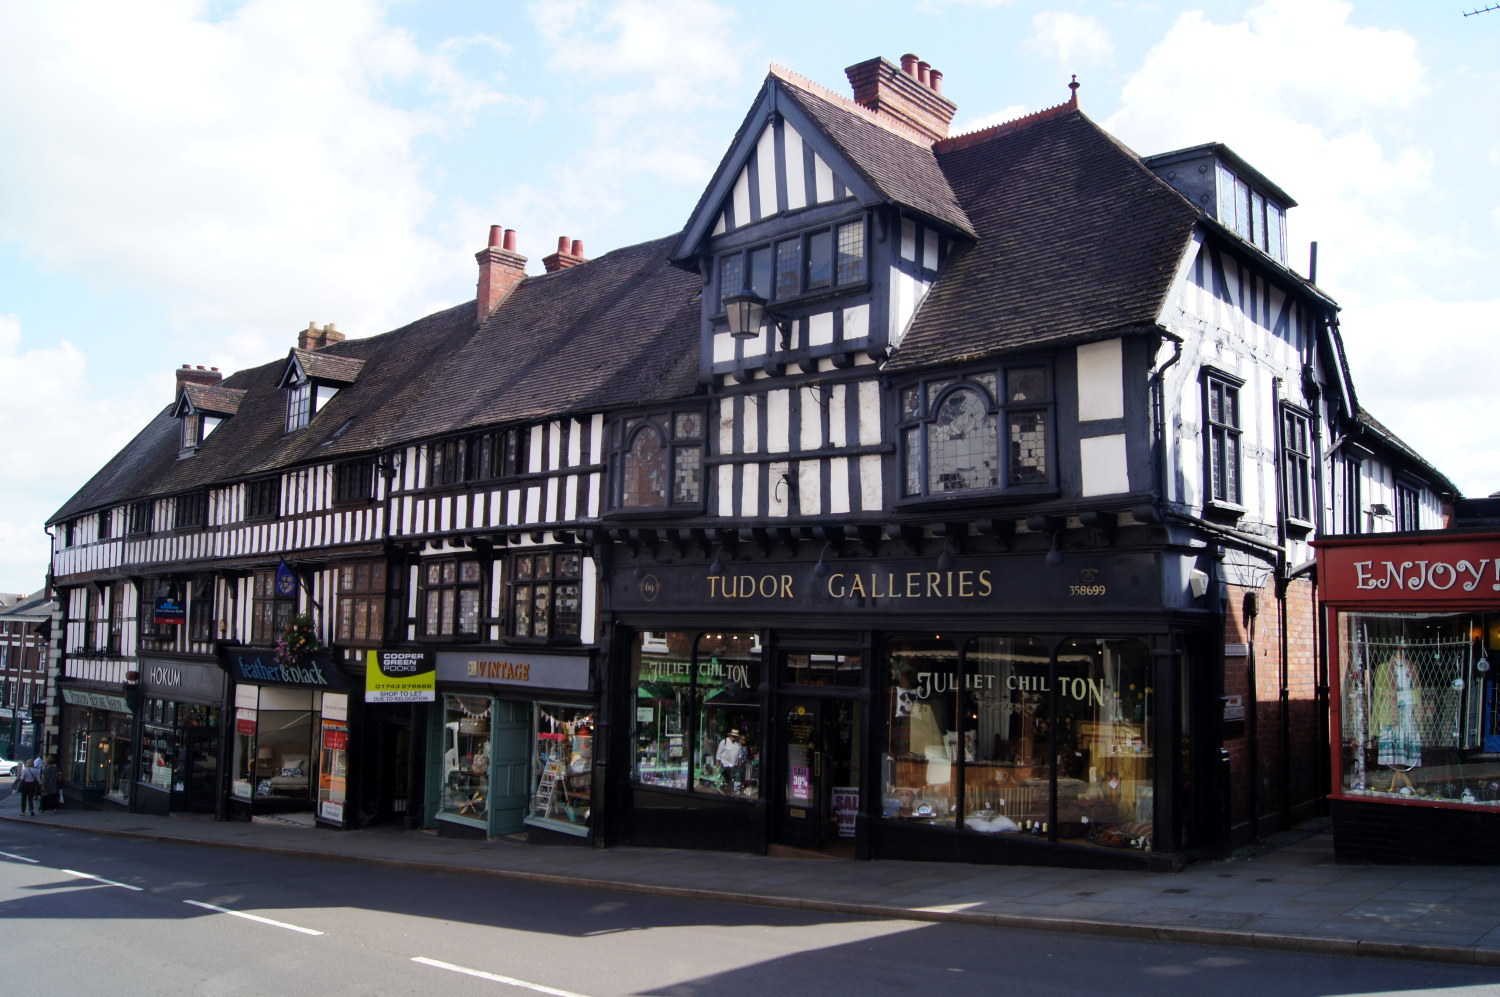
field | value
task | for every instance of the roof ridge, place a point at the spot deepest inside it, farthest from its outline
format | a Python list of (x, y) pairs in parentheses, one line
[(970, 139), (818, 90)]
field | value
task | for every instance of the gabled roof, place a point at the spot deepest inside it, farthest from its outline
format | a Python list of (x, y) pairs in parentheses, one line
[(321, 365), (881, 161), (210, 399), (1077, 241), (619, 330), (1394, 443)]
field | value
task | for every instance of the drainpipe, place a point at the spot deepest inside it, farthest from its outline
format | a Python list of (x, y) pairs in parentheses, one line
[(1250, 610), (1284, 699)]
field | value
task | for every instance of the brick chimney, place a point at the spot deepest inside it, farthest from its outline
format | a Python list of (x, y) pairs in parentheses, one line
[(910, 93), (188, 374), (567, 255), (501, 268), (313, 338)]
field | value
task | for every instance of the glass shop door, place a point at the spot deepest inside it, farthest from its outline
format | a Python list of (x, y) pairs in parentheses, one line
[(819, 790)]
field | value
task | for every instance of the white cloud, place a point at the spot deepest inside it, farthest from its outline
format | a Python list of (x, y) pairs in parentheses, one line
[(55, 425), (1073, 39), (270, 148), (991, 119)]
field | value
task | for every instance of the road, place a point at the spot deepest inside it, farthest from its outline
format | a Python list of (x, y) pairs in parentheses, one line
[(123, 916)]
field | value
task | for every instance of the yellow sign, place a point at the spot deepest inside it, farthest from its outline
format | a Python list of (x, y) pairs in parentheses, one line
[(400, 677)]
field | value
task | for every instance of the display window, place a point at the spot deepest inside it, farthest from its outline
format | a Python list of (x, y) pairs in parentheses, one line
[(562, 766), (697, 712), (274, 748), (1003, 736), (466, 757), (159, 751), (1418, 714)]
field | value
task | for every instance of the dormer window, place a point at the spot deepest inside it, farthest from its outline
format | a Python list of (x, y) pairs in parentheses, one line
[(310, 380), (202, 408), (1254, 217), (299, 404)]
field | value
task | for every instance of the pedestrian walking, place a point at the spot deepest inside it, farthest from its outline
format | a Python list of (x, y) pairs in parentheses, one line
[(51, 790), (30, 784)]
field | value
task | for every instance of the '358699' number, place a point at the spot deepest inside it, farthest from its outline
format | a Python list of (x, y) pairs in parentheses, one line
[(1086, 590)]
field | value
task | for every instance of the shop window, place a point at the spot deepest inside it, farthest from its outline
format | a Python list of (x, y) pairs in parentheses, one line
[(562, 766), (697, 713), (354, 480), (1419, 715), (660, 461), (1000, 736), (146, 624), (1221, 405), (984, 432), (465, 790), (273, 751), (362, 596), (333, 762), (160, 747), (546, 595), (452, 592), (1297, 465), (269, 610), (814, 669), (263, 498)]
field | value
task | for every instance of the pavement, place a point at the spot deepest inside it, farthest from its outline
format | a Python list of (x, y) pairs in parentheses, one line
[(1285, 893)]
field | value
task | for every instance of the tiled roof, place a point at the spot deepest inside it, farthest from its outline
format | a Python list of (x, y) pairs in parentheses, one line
[(1441, 483), (214, 399), (904, 171), (1077, 240), (323, 365), (357, 420), (619, 330)]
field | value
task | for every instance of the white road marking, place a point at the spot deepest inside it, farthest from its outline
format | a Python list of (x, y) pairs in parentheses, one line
[(253, 917), (18, 858), (99, 879), (495, 977)]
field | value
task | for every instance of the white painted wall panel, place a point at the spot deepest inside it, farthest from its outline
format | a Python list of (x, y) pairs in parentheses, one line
[(778, 421), (838, 486), (1101, 381), (810, 430), (820, 329), (742, 199), (796, 178), (856, 322), (1105, 471), (765, 164), (869, 413), (871, 490)]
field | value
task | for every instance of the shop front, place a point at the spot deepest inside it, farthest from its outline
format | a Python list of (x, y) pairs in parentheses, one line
[(98, 736), (1414, 633), (281, 715), (180, 738), (993, 709), (511, 745)]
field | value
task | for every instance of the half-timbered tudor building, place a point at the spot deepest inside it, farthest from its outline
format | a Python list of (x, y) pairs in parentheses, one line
[(924, 496)]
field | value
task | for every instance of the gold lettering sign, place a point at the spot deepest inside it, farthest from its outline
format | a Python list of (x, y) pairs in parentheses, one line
[(952, 584), (505, 671)]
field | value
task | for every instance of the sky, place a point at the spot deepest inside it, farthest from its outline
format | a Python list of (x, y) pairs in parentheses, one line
[(193, 181)]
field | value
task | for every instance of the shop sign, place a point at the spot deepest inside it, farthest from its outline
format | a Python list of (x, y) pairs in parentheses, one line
[(1445, 570), (1086, 582), (182, 680), (168, 610), (526, 671), (262, 668), (93, 700), (801, 788), (329, 810), (400, 677)]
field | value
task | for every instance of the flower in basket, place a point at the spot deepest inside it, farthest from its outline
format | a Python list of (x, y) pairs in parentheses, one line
[(298, 641)]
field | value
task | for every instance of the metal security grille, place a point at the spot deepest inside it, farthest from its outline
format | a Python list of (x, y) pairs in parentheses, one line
[(1416, 682)]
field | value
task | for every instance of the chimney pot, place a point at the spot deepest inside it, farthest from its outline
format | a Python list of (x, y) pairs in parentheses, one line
[(562, 244), (495, 235), (578, 248), (510, 239), (909, 64), (935, 80), (910, 96), (922, 68)]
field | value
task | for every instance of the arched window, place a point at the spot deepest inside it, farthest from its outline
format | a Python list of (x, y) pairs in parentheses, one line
[(645, 479), (984, 431), (962, 451)]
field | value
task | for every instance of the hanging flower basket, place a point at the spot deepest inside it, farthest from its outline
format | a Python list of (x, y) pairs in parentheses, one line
[(298, 641)]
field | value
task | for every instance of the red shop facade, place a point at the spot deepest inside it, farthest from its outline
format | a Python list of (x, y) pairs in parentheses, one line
[(1414, 649)]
